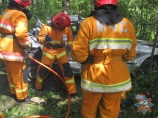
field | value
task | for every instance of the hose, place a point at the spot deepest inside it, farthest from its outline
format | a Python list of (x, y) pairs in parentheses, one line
[(68, 108), (1, 116)]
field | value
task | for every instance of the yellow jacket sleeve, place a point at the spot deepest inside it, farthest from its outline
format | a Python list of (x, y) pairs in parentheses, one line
[(42, 34), (21, 30), (80, 49)]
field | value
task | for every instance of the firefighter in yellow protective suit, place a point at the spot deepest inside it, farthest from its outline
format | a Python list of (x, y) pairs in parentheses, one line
[(54, 37), (104, 41), (14, 39)]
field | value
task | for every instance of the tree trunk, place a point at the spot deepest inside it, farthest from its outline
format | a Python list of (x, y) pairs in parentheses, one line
[(3, 4), (66, 6), (153, 50)]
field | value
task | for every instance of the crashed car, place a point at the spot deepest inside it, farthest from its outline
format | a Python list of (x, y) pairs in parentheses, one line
[(142, 60)]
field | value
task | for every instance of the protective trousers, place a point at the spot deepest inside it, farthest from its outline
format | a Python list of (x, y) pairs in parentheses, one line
[(48, 58), (15, 78), (107, 105)]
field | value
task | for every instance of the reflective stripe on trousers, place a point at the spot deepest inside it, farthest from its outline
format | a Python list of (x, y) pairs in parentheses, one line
[(16, 80), (107, 105)]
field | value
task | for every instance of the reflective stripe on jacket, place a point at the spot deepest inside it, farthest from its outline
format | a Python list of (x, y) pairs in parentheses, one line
[(109, 45), (14, 35), (11, 56), (57, 35)]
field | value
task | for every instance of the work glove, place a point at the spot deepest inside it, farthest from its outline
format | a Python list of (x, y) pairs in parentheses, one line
[(48, 39)]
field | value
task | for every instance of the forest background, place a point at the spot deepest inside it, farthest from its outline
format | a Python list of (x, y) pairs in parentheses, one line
[(142, 13), (144, 16)]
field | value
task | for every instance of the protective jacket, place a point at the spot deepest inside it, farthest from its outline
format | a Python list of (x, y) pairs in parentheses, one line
[(55, 52), (14, 35), (14, 38), (108, 47), (56, 35)]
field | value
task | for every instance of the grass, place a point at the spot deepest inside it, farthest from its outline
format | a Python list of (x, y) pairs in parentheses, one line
[(53, 93), (56, 96)]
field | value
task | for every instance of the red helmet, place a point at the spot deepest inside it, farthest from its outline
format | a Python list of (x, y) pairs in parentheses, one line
[(23, 3), (61, 20), (99, 3)]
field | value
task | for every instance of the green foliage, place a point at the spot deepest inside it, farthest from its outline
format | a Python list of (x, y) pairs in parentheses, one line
[(54, 93), (142, 13), (144, 83), (81, 7), (56, 106)]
